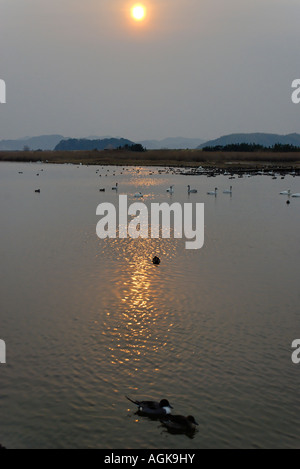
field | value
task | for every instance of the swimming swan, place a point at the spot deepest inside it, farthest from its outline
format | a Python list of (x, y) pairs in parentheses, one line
[(192, 191), (296, 195), (213, 192), (286, 192), (228, 192)]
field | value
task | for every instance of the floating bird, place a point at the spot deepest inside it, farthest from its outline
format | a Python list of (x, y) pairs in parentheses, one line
[(101, 190), (138, 195), (179, 423), (170, 189), (115, 188), (192, 191), (295, 195), (37, 191), (286, 192), (152, 408), (213, 192), (156, 260), (228, 191)]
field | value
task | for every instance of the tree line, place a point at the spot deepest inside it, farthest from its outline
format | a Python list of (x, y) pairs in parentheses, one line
[(253, 147)]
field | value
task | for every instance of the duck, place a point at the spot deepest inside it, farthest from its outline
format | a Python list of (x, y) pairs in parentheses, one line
[(179, 423), (37, 191), (152, 408), (101, 190), (228, 191), (286, 192), (295, 195), (115, 188), (213, 192), (170, 189), (156, 260), (138, 195), (192, 191)]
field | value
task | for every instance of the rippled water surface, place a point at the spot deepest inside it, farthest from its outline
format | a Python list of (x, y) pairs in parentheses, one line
[(88, 321)]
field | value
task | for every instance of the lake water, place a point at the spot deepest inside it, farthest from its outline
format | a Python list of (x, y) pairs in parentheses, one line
[(88, 321)]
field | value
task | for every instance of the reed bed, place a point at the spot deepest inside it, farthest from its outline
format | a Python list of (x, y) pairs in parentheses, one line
[(182, 158)]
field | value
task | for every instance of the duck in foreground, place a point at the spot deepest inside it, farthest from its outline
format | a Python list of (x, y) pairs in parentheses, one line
[(152, 408), (179, 423)]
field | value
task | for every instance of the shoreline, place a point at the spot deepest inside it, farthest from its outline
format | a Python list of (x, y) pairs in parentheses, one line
[(167, 158)]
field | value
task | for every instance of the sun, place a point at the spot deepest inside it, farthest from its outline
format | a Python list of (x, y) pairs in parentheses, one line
[(138, 12)]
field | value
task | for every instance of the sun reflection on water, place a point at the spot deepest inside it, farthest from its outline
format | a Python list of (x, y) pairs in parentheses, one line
[(141, 321)]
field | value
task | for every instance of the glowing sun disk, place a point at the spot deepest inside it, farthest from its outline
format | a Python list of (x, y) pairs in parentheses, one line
[(138, 12)]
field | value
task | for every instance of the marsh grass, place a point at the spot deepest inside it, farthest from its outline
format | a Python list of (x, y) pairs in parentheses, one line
[(156, 158)]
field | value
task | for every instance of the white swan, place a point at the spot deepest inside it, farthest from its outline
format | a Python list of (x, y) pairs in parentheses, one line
[(115, 188), (228, 192), (138, 195), (286, 192), (170, 189), (192, 191), (213, 192), (295, 195)]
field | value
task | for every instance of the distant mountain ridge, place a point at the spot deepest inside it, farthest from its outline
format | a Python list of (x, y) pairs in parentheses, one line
[(42, 142), (75, 144), (56, 142), (264, 139), (50, 142), (172, 143)]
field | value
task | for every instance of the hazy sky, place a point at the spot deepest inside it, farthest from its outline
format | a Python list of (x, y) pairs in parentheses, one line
[(193, 68)]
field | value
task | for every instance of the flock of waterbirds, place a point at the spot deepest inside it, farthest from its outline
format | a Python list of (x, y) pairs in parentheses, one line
[(214, 192), (199, 171)]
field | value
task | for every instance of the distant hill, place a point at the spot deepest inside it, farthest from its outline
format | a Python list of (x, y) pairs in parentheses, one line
[(74, 144), (266, 140), (43, 142), (172, 143)]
